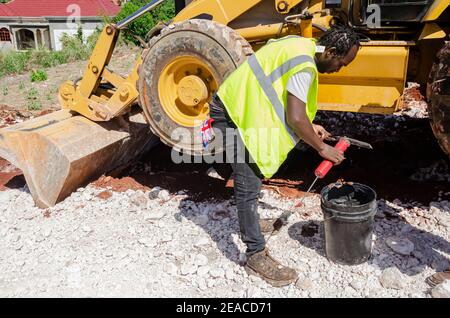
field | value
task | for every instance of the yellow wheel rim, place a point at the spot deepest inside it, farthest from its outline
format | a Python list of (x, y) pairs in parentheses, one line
[(185, 88)]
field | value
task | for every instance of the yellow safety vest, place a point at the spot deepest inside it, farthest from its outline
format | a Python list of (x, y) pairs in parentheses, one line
[(255, 98)]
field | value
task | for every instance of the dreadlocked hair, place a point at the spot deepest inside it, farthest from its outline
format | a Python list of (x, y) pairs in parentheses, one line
[(340, 37)]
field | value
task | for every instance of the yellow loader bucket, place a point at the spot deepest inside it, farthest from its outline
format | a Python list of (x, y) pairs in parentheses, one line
[(62, 151)]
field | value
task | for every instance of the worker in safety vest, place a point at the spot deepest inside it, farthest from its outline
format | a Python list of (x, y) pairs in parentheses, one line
[(269, 103)]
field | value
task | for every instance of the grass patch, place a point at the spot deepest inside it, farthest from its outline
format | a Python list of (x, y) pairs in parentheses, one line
[(141, 27), (45, 58), (50, 94), (33, 102), (14, 62), (74, 49), (38, 76)]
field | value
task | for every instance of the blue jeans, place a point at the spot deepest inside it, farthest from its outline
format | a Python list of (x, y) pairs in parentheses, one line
[(247, 179)]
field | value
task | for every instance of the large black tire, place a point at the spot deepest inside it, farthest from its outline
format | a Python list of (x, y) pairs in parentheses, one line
[(221, 48), (438, 92)]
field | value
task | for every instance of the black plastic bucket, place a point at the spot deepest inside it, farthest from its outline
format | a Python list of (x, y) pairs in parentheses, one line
[(349, 210)]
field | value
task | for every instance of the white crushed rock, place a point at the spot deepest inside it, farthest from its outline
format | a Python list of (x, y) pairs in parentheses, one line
[(164, 195), (393, 278), (304, 283), (400, 245), (135, 244), (442, 290)]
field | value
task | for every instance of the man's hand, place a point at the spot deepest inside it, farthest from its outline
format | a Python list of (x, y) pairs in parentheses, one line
[(331, 154), (321, 132), (313, 135)]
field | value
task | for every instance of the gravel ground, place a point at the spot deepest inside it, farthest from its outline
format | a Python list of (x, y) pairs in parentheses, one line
[(151, 242), (161, 244)]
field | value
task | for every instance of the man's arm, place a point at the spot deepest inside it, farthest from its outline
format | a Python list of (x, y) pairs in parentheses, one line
[(298, 120)]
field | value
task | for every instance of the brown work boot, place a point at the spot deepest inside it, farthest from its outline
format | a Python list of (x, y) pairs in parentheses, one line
[(266, 267), (438, 278), (267, 226)]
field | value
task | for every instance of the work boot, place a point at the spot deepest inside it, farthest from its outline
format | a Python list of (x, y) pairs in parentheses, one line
[(267, 226), (266, 267), (438, 278)]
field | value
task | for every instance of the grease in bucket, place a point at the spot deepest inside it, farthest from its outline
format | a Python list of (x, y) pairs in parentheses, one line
[(349, 210)]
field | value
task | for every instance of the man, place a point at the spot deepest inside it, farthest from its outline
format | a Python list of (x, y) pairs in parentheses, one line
[(271, 100)]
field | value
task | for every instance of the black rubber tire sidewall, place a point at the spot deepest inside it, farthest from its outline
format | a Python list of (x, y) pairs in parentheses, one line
[(187, 39), (438, 93)]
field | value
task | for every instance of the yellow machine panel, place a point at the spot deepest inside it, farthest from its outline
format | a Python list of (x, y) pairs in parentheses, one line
[(372, 83), (436, 9)]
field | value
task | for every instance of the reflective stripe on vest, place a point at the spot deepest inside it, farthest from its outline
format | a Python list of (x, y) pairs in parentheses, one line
[(255, 97), (267, 81)]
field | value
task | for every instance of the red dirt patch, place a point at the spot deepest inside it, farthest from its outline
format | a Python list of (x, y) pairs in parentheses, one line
[(289, 189), (284, 187), (10, 116), (46, 112), (413, 94), (105, 195), (412, 98), (8, 174), (119, 185), (46, 214)]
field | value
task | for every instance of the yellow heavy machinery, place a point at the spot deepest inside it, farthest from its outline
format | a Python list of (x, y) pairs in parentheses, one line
[(100, 127)]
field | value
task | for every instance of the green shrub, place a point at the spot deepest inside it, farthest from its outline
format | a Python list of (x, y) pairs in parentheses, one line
[(34, 105), (140, 27), (33, 102), (144, 24), (164, 12), (74, 49), (45, 58), (32, 93), (38, 76), (5, 91), (91, 41), (14, 62), (79, 34)]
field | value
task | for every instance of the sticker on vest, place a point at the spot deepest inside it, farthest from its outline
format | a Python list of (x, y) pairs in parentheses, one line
[(320, 49), (207, 133)]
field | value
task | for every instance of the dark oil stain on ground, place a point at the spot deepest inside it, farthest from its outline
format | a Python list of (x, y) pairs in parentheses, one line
[(309, 229)]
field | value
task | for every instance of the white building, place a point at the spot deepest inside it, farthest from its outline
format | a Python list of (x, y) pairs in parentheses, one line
[(32, 24)]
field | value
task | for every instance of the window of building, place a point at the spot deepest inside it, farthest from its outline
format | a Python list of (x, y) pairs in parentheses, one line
[(5, 36)]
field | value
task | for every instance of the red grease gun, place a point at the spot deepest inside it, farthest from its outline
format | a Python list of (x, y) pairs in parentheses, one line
[(322, 170)]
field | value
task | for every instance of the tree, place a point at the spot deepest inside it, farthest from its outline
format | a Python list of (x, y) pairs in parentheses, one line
[(144, 24)]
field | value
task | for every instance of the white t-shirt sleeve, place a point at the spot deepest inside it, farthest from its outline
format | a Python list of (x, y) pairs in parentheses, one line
[(298, 85)]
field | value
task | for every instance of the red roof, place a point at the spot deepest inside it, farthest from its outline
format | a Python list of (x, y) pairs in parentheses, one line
[(57, 8), (5, 11)]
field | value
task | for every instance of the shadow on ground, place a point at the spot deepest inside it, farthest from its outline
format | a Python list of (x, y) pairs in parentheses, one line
[(429, 249)]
